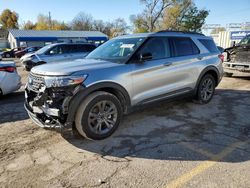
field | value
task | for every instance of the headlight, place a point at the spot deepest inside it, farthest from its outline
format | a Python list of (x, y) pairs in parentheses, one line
[(64, 80)]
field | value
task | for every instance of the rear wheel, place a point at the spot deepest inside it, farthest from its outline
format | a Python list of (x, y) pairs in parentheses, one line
[(98, 116), (205, 89)]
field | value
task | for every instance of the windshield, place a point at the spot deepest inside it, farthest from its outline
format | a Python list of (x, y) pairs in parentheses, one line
[(44, 49), (117, 50), (245, 40)]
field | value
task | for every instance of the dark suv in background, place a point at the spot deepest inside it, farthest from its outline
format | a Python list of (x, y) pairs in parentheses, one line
[(92, 94)]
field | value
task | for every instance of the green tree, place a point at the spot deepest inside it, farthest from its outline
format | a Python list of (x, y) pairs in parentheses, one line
[(184, 16), (82, 22), (9, 19), (29, 25), (45, 23), (194, 19), (180, 15), (173, 16), (150, 19)]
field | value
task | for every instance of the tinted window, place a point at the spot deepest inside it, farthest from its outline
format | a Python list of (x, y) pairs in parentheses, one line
[(158, 47), (61, 49), (78, 48), (89, 48), (209, 44), (184, 46)]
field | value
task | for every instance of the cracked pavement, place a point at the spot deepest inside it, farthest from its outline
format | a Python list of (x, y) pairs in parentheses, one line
[(152, 147)]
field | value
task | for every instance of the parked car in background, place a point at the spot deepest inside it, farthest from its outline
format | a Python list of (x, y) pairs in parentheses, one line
[(11, 53), (55, 53), (20, 53), (237, 58), (92, 94), (10, 81)]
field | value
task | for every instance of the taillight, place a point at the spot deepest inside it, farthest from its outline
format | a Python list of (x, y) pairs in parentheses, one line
[(221, 57), (7, 69)]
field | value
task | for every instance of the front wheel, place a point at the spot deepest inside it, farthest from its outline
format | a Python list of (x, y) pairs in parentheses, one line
[(7, 55), (205, 90), (98, 116)]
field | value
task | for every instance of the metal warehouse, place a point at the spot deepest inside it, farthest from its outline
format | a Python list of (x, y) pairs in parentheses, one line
[(19, 38)]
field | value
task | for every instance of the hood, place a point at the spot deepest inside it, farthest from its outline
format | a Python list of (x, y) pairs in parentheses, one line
[(70, 67), (26, 56)]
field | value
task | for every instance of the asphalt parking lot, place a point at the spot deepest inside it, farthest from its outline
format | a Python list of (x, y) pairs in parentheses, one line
[(176, 144)]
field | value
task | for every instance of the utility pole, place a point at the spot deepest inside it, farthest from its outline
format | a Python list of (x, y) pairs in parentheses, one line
[(50, 22)]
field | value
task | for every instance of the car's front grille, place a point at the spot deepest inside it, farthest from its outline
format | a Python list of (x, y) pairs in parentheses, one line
[(35, 82)]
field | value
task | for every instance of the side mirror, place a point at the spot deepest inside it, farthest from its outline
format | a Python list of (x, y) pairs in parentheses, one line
[(146, 56)]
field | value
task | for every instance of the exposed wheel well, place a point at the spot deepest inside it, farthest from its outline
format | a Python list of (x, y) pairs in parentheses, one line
[(114, 89), (116, 93), (214, 74)]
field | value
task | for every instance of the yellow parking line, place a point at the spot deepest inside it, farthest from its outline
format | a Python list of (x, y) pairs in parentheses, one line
[(198, 150), (203, 166)]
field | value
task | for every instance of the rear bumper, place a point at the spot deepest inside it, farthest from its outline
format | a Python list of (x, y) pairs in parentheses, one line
[(11, 83)]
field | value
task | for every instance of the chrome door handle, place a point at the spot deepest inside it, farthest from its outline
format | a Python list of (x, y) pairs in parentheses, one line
[(200, 58)]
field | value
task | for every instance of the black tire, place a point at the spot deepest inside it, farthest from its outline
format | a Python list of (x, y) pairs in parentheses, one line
[(27, 68), (7, 55), (202, 92), (227, 74), (83, 122)]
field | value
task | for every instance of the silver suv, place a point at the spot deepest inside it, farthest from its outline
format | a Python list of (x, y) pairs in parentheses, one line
[(55, 53), (129, 71)]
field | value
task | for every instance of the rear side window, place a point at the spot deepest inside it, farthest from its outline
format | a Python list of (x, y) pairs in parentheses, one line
[(209, 45), (183, 46), (89, 48), (78, 48)]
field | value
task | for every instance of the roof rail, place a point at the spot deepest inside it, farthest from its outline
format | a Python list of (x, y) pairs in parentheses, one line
[(184, 32)]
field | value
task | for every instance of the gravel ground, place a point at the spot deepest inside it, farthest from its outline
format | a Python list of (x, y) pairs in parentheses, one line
[(177, 144)]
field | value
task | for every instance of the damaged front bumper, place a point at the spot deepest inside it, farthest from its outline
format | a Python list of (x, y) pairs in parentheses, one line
[(49, 108), (236, 67)]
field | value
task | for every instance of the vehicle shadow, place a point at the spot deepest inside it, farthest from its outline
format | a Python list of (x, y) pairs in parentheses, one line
[(181, 130), (12, 107)]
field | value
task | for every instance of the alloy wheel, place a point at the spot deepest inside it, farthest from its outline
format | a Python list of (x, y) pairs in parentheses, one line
[(102, 117), (207, 89)]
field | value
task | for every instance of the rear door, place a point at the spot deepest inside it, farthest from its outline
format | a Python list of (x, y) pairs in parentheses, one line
[(57, 53), (82, 50), (170, 71)]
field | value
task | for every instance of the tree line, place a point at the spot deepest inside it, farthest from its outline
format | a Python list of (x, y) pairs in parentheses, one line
[(180, 15)]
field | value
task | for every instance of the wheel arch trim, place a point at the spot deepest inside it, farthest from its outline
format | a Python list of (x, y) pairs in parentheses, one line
[(84, 91), (205, 71)]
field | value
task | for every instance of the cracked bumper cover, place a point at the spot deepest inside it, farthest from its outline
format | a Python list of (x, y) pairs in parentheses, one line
[(38, 121), (236, 67), (44, 114)]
